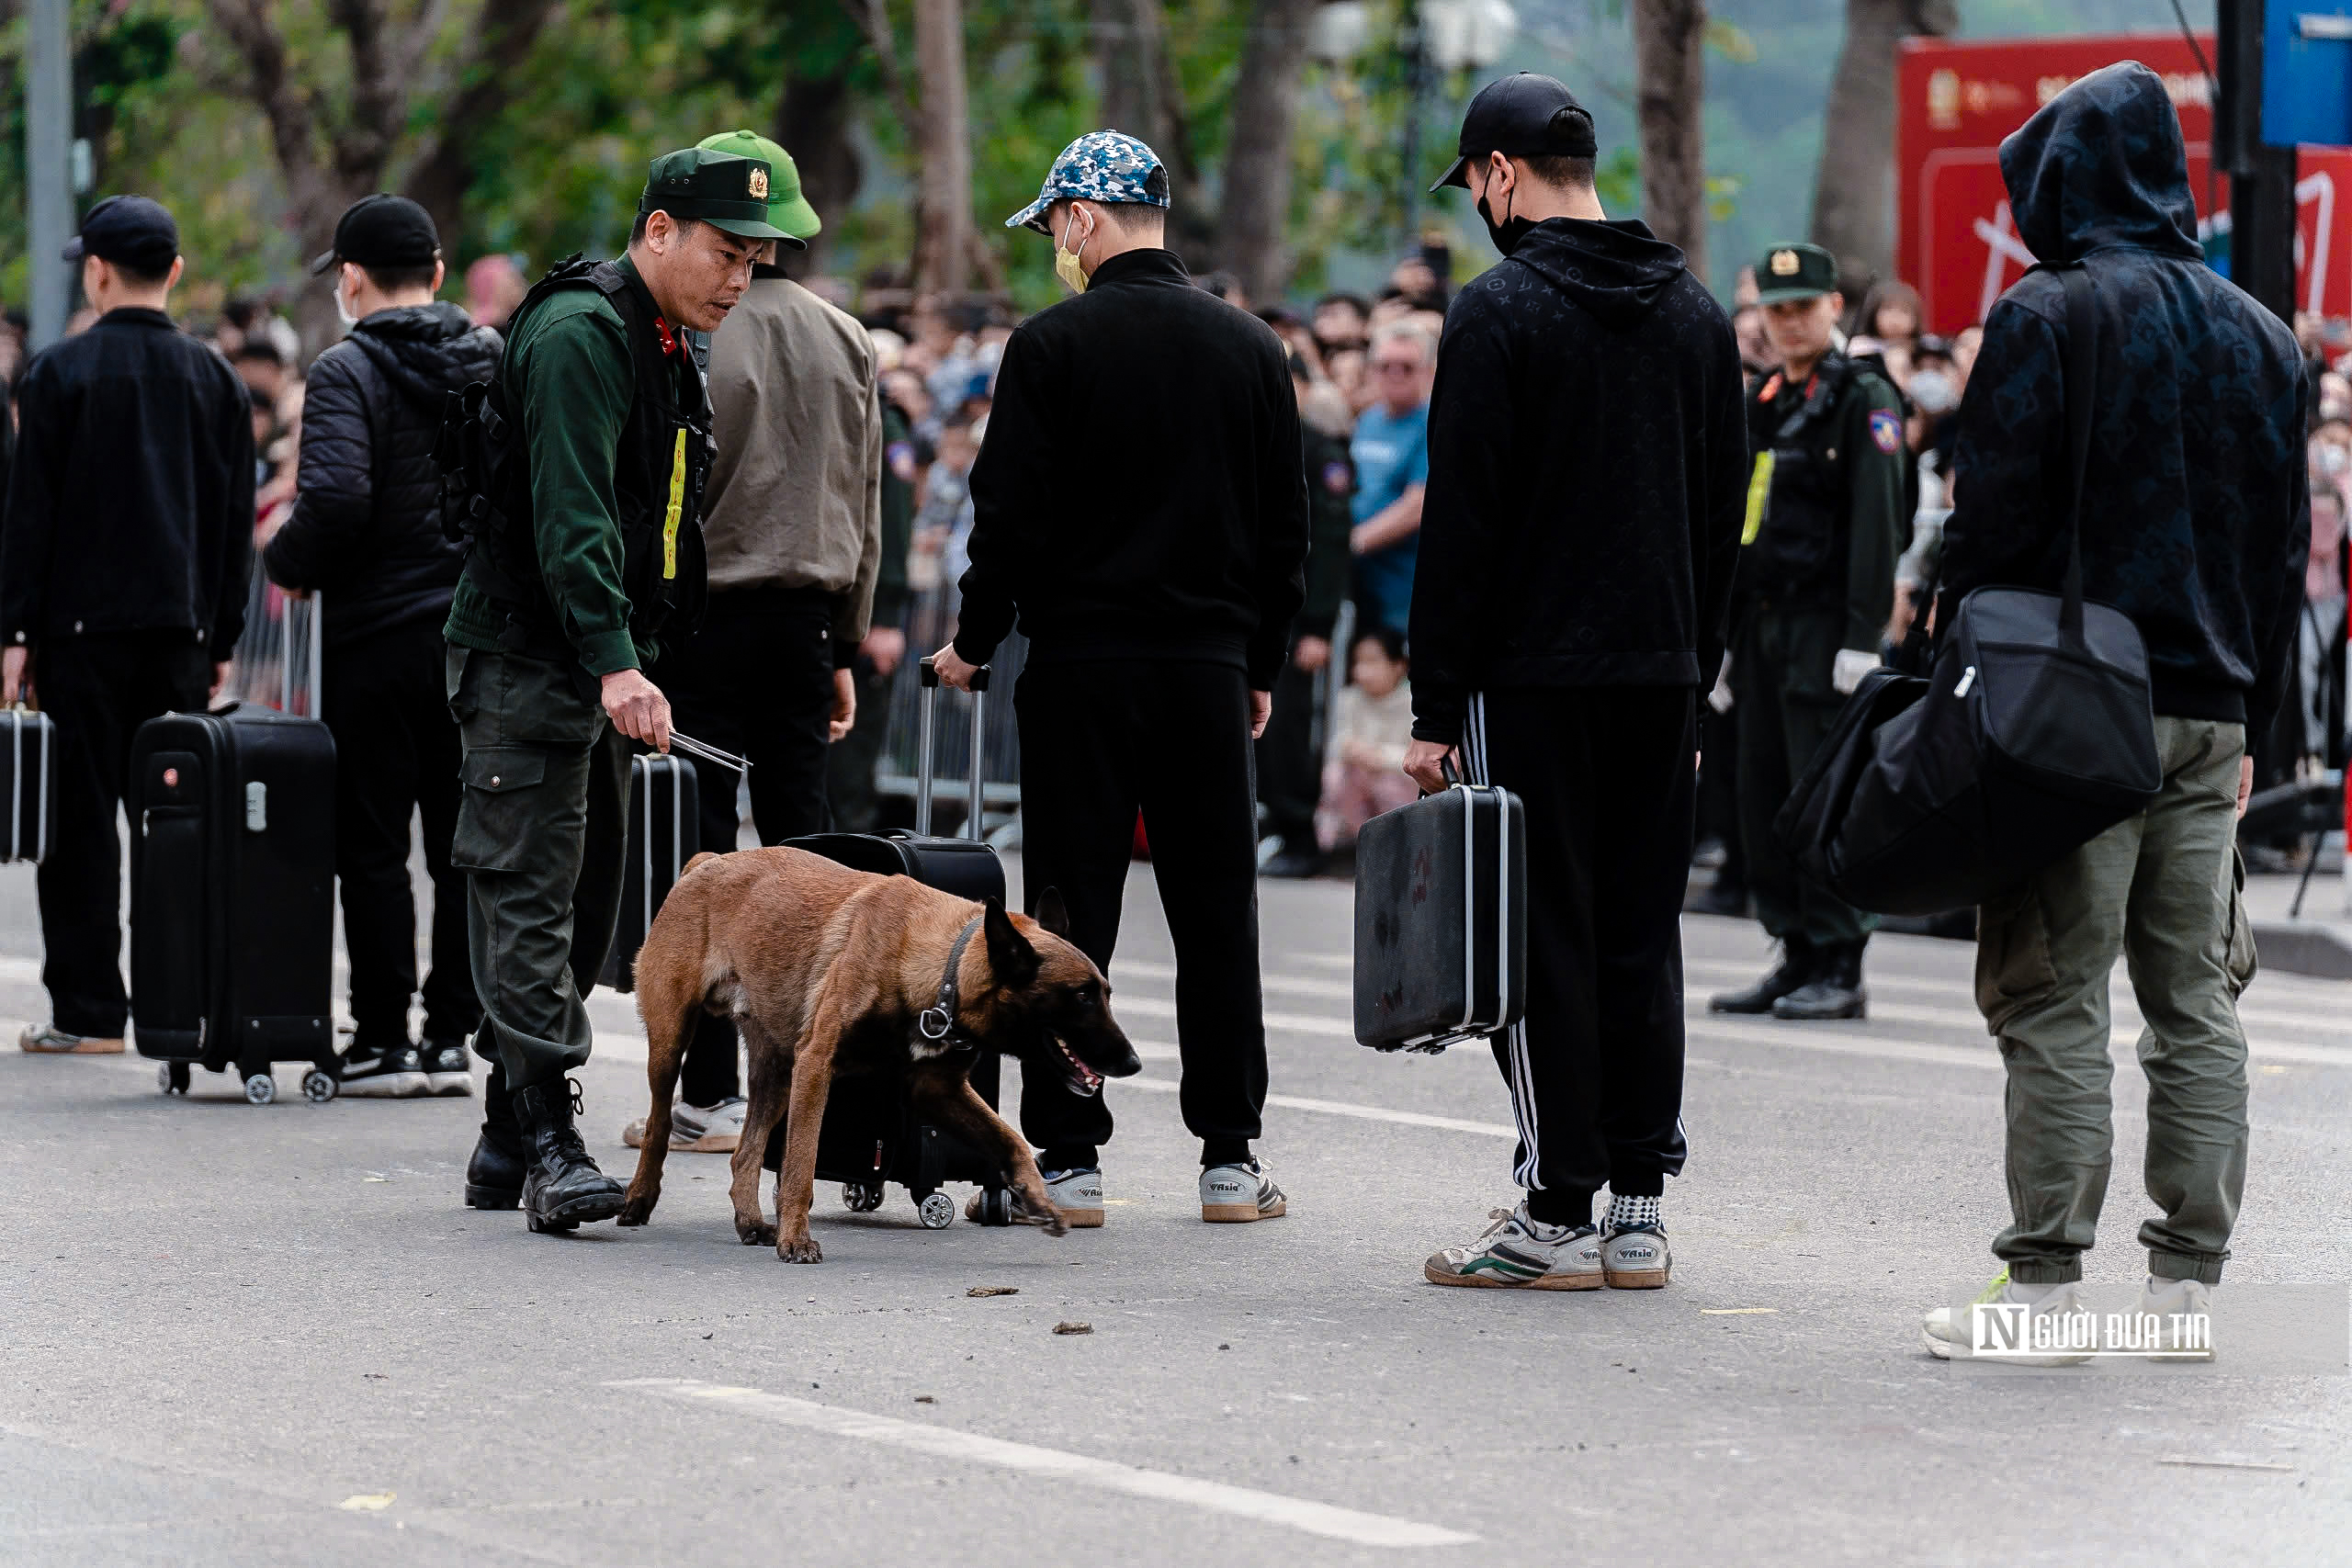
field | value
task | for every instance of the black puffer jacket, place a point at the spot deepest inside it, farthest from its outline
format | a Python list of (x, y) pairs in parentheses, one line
[(366, 530)]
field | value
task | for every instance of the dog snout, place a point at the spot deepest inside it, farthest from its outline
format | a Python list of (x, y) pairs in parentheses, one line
[(1109, 1054)]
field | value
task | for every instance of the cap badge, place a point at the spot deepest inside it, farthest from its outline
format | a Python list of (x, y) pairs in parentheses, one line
[(1785, 264), (758, 184)]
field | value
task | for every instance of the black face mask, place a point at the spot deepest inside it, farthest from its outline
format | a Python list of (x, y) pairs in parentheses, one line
[(1508, 233)]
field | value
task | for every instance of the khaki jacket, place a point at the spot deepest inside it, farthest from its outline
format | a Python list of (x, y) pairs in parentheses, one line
[(796, 496)]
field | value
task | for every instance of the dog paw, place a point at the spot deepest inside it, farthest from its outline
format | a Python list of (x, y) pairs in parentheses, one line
[(756, 1235), (804, 1250), (1053, 1224), (635, 1211)]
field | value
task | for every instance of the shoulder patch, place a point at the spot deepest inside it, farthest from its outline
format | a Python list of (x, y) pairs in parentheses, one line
[(1886, 431)]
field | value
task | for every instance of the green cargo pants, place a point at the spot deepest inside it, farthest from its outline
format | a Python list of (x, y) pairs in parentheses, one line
[(1785, 706), (2160, 891), (541, 838)]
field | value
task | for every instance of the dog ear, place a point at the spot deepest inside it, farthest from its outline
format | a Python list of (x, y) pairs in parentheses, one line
[(1012, 962), (1052, 913)]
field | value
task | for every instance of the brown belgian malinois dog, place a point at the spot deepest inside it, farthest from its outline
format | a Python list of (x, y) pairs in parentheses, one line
[(831, 971)]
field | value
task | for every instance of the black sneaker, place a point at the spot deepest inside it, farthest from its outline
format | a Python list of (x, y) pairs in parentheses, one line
[(394, 1074), (448, 1068)]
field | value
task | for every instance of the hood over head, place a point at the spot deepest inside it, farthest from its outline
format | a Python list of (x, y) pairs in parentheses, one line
[(2102, 165), (1616, 271), (428, 350)]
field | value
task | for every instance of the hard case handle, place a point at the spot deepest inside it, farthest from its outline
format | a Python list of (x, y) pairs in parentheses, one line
[(925, 767)]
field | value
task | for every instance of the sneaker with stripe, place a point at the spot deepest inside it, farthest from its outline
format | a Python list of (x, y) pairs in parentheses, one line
[(1517, 1252)]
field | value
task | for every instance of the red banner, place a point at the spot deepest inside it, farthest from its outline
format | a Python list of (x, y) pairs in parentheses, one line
[(1956, 240)]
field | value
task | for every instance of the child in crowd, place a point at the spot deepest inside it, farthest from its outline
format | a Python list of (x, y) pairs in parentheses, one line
[(1372, 723)]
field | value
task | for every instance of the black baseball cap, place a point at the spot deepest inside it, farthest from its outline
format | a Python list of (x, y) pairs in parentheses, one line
[(129, 230), (722, 190), (1525, 116), (382, 230)]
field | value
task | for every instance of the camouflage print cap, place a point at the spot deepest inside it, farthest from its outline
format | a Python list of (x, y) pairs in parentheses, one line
[(1102, 165)]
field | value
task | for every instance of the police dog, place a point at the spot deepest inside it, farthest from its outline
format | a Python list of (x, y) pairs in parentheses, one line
[(833, 972)]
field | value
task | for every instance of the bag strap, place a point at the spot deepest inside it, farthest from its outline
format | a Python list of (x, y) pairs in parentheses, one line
[(2081, 383)]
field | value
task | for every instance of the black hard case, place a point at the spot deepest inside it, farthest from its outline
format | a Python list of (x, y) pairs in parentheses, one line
[(1441, 919), (872, 1135), (664, 827), (29, 754), (232, 889)]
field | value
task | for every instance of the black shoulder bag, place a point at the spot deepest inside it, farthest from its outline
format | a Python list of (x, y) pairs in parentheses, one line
[(2032, 734)]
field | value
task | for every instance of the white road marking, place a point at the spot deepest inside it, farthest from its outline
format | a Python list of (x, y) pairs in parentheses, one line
[(946, 1442), (1282, 1023), (1360, 1112), (1125, 969)]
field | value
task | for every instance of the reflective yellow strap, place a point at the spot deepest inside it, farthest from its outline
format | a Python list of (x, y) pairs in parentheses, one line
[(678, 505), (1760, 491)]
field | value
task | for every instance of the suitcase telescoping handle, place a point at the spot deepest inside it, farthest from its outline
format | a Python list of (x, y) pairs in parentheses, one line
[(923, 760)]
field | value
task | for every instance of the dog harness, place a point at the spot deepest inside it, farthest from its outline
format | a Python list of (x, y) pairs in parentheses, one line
[(937, 1022)]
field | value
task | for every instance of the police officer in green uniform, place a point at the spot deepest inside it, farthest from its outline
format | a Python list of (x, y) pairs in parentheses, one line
[(585, 488), (1826, 522)]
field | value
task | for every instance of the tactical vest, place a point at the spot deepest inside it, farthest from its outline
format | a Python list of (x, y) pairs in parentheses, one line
[(1796, 539), (660, 469)]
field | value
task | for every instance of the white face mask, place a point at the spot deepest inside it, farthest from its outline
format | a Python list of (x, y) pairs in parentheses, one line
[(343, 312)]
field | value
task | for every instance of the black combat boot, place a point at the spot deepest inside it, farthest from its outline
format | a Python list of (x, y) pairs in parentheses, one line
[(1798, 961), (1834, 990), (562, 1186), (495, 1176)]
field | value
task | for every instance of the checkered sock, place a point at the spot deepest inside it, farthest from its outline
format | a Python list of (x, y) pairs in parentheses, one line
[(1626, 1212)]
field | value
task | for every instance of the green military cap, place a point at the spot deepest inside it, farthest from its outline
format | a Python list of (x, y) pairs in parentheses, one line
[(788, 208), (718, 188), (1790, 272)]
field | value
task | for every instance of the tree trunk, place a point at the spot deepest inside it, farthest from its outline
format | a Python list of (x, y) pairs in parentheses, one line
[(943, 146), (503, 34), (1853, 196), (1256, 206), (1670, 67), (1142, 97), (813, 124)]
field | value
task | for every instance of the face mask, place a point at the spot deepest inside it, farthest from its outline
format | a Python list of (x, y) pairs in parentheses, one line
[(1933, 393), (343, 312), (1065, 265), (1508, 233), (2332, 459)]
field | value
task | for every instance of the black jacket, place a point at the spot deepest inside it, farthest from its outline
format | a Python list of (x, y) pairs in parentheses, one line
[(1588, 476), (131, 504), (1140, 493), (2196, 505), (1330, 485), (365, 529)]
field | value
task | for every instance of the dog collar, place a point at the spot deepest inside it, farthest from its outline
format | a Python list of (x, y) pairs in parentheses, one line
[(937, 1022)]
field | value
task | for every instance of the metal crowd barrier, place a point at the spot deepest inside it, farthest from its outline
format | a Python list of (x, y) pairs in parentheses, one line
[(930, 624), (277, 659)]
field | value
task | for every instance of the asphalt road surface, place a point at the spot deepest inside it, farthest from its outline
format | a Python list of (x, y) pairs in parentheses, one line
[(253, 1335)]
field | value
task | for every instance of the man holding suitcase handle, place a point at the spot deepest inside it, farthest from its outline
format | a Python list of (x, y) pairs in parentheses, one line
[(585, 552), (1569, 595)]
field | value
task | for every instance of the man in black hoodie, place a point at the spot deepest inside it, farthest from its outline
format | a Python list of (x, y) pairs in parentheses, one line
[(1587, 465), (366, 533), (2196, 522), (1141, 501)]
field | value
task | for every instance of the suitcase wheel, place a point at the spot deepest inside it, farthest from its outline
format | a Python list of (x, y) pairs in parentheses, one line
[(172, 1077), (936, 1210), (319, 1086), (862, 1197), (996, 1206), (260, 1088)]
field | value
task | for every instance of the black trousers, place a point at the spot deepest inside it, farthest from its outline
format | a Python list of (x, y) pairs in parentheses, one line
[(1290, 775), (852, 763), (1786, 704), (1719, 792), (757, 679), (1595, 1070), (97, 690), (1100, 741), (396, 751)]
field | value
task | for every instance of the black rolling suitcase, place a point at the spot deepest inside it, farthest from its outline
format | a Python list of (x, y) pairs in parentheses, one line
[(29, 753), (232, 896), (872, 1135), (665, 828), (1442, 920)]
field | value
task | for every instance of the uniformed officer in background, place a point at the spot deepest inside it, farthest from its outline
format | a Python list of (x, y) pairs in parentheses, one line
[(588, 557), (1826, 522)]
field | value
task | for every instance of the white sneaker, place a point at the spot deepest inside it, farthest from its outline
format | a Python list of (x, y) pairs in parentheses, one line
[(698, 1129), (1947, 1331), (1517, 1252), (2185, 1310), (1236, 1194), (1077, 1194), (1635, 1257)]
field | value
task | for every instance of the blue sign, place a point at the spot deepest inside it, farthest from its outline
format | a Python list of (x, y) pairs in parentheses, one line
[(2307, 73)]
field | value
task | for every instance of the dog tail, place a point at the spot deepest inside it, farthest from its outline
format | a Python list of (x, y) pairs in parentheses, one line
[(707, 854)]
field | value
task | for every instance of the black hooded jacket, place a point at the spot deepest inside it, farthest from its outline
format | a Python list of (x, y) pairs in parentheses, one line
[(1587, 475), (365, 529), (2196, 504)]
